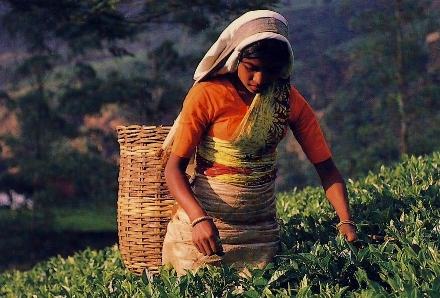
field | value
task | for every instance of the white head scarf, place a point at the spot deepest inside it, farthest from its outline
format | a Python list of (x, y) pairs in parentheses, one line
[(252, 26)]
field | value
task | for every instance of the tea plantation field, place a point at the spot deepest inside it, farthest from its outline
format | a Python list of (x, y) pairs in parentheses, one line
[(397, 255)]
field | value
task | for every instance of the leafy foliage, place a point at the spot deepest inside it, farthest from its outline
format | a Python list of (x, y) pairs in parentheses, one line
[(83, 24), (397, 254)]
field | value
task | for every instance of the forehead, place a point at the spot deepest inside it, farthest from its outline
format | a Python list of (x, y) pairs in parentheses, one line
[(267, 62)]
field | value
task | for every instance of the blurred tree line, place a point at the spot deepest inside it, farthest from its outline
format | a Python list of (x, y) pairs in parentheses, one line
[(388, 101), (84, 67), (365, 66), (374, 81)]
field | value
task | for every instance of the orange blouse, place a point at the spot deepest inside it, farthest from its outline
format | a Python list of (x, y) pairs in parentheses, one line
[(214, 107)]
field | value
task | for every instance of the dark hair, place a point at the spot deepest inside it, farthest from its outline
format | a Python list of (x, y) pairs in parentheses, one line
[(267, 49)]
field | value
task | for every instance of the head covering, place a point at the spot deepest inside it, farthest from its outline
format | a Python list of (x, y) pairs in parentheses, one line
[(252, 26), (223, 55)]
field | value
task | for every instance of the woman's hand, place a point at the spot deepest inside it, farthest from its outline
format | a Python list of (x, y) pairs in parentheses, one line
[(205, 234), (349, 232), (206, 238), (336, 192)]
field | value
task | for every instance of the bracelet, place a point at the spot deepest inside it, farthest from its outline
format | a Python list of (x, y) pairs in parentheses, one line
[(343, 222), (200, 219)]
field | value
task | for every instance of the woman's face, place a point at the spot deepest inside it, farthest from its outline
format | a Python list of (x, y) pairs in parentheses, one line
[(256, 74)]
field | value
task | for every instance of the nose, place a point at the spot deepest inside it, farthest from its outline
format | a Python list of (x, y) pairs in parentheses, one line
[(262, 78), (259, 77)]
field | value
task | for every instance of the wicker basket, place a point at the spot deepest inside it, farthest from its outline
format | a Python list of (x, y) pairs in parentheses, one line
[(144, 201)]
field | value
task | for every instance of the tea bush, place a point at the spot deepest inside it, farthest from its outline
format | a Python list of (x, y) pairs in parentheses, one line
[(397, 255)]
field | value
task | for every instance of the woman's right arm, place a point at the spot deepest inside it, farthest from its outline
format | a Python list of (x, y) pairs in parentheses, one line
[(205, 233)]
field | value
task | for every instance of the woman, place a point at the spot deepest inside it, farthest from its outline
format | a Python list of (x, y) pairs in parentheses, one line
[(232, 119)]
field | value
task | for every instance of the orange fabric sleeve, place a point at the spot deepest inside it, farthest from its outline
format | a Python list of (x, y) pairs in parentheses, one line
[(306, 129)]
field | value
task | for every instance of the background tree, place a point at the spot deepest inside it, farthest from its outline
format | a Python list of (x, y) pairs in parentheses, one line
[(315, 74), (385, 91), (67, 104)]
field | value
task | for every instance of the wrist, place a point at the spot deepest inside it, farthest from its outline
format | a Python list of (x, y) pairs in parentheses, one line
[(196, 214), (346, 222), (200, 219)]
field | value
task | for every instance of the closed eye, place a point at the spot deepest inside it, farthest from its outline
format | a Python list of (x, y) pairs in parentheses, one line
[(251, 67)]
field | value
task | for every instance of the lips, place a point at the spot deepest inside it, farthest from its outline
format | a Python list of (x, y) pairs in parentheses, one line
[(255, 89)]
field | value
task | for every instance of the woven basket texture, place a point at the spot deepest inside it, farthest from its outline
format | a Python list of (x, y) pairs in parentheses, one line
[(144, 201)]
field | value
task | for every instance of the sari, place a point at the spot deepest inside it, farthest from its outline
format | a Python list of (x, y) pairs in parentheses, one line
[(235, 184)]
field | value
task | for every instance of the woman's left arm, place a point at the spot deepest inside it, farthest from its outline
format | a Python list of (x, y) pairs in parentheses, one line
[(336, 192)]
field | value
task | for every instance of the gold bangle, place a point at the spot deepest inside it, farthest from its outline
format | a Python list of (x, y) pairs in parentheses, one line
[(343, 222), (200, 219)]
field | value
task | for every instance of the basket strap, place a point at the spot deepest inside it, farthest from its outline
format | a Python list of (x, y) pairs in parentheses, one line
[(170, 136), (168, 142)]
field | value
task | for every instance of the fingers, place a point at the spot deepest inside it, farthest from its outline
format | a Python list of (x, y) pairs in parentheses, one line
[(210, 246), (351, 237), (349, 233), (219, 246), (205, 248), (206, 239)]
